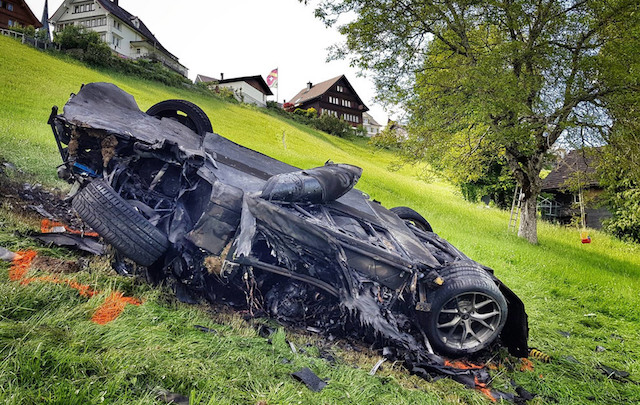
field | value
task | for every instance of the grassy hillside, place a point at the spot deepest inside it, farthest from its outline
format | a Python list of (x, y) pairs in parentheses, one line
[(589, 291)]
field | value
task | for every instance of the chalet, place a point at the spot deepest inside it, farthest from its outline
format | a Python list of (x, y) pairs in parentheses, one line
[(125, 33), (247, 89), (16, 13), (574, 189), (334, 97), (370, 125)]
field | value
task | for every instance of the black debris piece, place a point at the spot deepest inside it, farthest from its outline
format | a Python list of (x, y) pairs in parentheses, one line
[(171, 397), (205, 329), (612, 373), (565, 334), (310, 379), (265, 331), (83, 243)]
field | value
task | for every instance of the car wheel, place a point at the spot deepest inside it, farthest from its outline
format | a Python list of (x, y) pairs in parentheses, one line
[(185, 112), (119, 223), (411, 215), (468, 312)]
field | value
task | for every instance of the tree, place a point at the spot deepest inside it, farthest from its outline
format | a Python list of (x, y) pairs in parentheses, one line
[(486, 79)]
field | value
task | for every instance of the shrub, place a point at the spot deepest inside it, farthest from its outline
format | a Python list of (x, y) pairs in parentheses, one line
[(332, 125)]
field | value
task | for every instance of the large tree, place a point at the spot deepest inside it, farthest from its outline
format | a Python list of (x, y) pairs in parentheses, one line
[(487, 80)]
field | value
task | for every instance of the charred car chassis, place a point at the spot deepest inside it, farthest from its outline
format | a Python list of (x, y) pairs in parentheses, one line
[(170, 194)]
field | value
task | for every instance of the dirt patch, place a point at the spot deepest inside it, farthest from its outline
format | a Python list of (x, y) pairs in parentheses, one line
[(29, 199), (58, 266)]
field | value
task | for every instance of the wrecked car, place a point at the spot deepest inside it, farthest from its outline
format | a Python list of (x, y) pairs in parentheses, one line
[(170, 194)]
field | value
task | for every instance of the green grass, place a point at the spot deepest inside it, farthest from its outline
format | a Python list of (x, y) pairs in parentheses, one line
[(50, 349)]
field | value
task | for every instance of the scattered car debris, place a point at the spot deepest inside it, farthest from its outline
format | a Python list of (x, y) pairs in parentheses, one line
[(205, 329), (375, 368), (310, 379), (612, 373), (600, 349), (7, 255)]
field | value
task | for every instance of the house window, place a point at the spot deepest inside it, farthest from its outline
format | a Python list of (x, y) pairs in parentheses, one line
[(115, 41), (138, 51), (11, 23), (334, 100), (116, 25), (340, 89), (346, 103), (1, 4), (9, 6)]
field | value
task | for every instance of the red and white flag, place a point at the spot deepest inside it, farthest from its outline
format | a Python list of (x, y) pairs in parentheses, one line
[(272, 79)]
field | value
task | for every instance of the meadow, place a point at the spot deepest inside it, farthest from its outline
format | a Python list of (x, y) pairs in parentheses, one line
[(578, 296)]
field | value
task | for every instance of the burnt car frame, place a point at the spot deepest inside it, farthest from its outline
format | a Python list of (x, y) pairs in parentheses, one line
[(170, 194)]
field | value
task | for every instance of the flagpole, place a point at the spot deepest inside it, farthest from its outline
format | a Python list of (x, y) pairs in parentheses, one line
[(278, 86)]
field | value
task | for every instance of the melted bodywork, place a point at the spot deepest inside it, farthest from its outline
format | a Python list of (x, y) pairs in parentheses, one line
[(302, 245)]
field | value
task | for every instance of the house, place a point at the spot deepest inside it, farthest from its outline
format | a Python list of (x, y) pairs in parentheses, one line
[(334, 97), (126, 34), (370, 125), (247, 89), (573, 188), (16, 13)]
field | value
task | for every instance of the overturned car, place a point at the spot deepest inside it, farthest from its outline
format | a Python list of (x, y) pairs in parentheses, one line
[(169, 194)]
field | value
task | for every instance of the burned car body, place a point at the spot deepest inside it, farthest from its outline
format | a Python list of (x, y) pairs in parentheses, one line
[(170, 194)]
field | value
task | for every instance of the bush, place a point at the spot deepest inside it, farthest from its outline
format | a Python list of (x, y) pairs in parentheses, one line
[(332, 125), (76, 37), (625, 222), (97, 54)]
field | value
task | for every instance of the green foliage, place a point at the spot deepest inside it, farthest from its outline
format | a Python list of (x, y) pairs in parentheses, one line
[(76, 37), (332, 125), (483, 79), (625, 223), (311, 113)]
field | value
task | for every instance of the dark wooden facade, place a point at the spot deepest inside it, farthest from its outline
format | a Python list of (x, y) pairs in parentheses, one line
[(17, 13), (334, 97), (563, 206)]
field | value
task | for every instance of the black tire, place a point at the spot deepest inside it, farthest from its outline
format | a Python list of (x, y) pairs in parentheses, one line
[(411, 215), (185, 112), (119, 223), (468, 312)]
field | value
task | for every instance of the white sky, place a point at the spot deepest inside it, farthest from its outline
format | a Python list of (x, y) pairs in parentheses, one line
[(246, 38)]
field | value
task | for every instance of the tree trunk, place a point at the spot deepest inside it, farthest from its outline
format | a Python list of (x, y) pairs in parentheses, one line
[(528, 221), (531, 184)]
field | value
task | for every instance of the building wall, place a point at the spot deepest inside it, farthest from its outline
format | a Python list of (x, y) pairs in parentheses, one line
[(115, 32), (13, 13), (250, 94)]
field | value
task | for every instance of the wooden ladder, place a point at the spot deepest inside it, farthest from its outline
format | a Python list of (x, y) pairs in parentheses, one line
[(515, 209)]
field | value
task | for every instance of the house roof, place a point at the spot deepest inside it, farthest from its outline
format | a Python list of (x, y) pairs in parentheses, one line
[(262, 85), (372, 121), (316, 91), (34, 20), (203, 78), (128, 18), (576, 161)]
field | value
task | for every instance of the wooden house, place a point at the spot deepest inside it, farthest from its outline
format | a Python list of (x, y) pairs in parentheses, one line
[(334, 97), (16, 13), (575, 191)]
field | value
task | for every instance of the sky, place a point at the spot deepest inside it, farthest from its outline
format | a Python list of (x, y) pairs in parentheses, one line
[(246, 38)]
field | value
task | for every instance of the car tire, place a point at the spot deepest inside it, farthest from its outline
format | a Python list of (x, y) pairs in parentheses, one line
[(118, 223), (185, 112), (411, 215), (468, 312)]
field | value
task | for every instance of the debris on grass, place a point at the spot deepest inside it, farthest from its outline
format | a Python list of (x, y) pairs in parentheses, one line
[(310, 379)]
